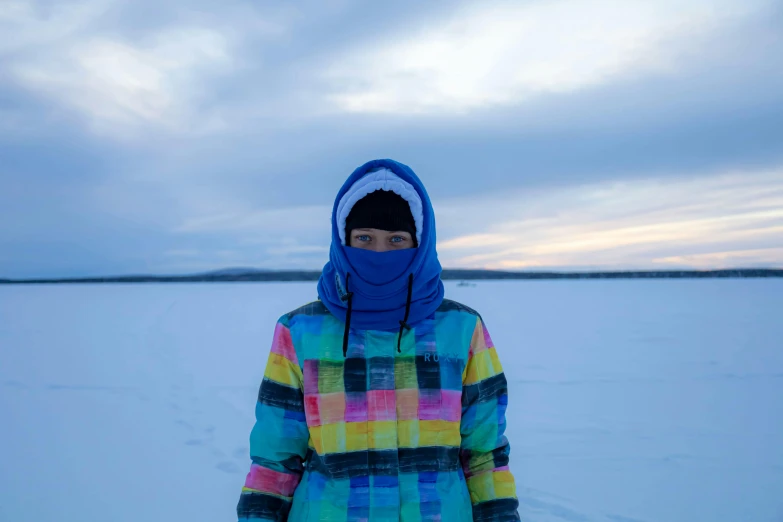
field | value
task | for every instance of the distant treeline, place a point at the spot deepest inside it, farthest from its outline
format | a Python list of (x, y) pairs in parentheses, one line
[(448, 274)]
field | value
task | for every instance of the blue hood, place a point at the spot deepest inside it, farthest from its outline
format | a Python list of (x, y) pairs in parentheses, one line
[(379, 281)]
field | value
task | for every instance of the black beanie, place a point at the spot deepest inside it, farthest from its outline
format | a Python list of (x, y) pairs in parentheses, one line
[(384, 210)]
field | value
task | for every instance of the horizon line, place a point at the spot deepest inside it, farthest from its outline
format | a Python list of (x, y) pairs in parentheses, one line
[(304, 275)]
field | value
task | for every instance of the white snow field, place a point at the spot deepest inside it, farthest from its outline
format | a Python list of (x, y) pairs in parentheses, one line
[(631, 401)]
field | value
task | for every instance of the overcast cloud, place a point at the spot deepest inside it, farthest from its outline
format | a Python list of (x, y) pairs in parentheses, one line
[(178, 136)]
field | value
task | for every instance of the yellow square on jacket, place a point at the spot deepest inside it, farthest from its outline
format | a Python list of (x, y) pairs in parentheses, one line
[(382, 434), (279, 369), (333, 438), (356, 436), (490, 485), (438, 433), (408, 433), (484, 365)]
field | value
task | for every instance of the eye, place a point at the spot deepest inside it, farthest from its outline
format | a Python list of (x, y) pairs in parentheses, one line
[(363, 238), (397, 239)]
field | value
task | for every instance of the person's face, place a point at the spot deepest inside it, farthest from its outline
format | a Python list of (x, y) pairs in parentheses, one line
[(380, 240)]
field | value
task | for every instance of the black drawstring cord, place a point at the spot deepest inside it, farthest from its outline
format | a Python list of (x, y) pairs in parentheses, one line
[(349, 296), (404, 323)]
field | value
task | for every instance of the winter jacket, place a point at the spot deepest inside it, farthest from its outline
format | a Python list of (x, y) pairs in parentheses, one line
[(380, 433)]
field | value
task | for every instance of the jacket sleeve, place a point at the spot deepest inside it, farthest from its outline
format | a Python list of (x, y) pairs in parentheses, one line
[(278, 441), (485, 449)]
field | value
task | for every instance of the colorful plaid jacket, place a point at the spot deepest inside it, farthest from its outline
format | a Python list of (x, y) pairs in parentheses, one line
[(380, 435)]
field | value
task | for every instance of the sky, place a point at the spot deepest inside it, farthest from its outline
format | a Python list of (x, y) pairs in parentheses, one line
[(178, 137)]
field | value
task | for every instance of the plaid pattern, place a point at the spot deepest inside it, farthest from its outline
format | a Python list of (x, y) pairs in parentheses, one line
[(380, 435)]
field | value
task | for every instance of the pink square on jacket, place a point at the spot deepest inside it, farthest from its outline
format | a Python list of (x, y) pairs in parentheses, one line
[(381, 405), (429, 405), (356, 407), (270, 481), (451, 405), (310, 376), (312, 410), (283, 345), (487, 339)]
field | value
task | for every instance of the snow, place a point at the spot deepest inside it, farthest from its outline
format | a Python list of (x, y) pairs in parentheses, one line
[(631, 401)]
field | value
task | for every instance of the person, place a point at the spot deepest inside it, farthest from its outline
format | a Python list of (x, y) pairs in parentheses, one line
[(381, 401)]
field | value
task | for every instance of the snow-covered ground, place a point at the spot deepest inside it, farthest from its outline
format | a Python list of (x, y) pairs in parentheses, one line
[(630, 400)]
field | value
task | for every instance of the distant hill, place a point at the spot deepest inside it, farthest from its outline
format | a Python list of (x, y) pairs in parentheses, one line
[(233, 271), (257, 275)]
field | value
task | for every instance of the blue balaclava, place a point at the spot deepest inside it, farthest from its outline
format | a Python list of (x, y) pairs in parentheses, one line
[(382, 290)]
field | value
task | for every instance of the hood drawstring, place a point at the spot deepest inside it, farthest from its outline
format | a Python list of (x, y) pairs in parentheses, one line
[(404, 323), (349, 296)]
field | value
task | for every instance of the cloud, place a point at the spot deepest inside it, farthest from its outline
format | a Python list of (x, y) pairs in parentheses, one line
[(131, 68), (542, 147), (182, 252), (116, 83), (291, 219), (765, 257), (500, 53), (28, 24), (698, 222)]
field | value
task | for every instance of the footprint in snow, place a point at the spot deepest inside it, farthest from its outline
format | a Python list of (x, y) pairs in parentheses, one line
[(228, 467), (188, 426), (619, 518), (241, 453), (218, 454)]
